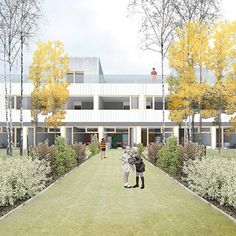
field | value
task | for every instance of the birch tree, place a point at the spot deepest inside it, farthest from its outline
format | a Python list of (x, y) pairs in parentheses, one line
[(157, 32), (9, 19), (29, 13), (204, 11)]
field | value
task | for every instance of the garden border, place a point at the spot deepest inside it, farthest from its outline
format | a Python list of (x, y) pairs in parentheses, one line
[(44, 190), (189, 190)]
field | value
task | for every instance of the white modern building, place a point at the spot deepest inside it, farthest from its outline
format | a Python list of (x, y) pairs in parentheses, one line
[(125, 109)]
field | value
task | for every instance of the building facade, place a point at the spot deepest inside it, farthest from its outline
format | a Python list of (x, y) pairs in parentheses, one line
[(124, 109)]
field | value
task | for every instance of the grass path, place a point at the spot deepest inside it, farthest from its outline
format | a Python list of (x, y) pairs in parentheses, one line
[(92, 201)]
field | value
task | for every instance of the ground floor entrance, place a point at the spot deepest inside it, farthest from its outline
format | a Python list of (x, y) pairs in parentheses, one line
[(121, 136)]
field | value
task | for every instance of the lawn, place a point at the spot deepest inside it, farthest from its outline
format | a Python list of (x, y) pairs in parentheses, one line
[(231, 153), (92, 201)]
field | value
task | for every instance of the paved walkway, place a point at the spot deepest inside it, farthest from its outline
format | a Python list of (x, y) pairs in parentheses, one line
[(92, 201)]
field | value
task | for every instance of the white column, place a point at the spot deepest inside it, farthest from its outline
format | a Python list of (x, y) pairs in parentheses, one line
[(100, 132), (213, 137), (138, 134), (63, 131), (95, 102), (25, 132), (176, 131)]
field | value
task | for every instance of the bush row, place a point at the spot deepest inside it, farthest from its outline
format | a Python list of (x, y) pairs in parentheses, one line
[(172, 156), (21, 178), (213, 178), (61, 157)]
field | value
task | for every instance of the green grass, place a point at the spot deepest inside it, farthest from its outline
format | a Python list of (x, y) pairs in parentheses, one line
[(16, 152), (92, 201), (229, 153)]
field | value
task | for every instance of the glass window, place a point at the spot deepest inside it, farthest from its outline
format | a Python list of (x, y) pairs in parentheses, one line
[(149, 103), (154, 130), (69, 136), (134, 102), (79, 130), (109, 130), (92, 130), (53, 130), (169, 130), (206, 130), (70, 77), (144, 136), (12, 102), (4, 129), (42, 130), (121, 130), (79, 77)]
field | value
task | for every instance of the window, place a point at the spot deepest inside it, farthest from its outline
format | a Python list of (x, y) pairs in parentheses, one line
[(42, 130), (75, 77), (77, 105), (149, 102), (109, 130), (206, 130), (53, 130), (13, 99), (126, 105), (92, 130), (70, 77), (134, 102), (79, 77), (121, 130), (79, 130), (168, 130), (26, 102)]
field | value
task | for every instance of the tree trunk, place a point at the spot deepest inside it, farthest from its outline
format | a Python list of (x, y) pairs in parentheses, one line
[(163, 95), (10, 104), (36, 130), (6, 103), (21, 98), (219, 133), (200, 109), (192, 127)]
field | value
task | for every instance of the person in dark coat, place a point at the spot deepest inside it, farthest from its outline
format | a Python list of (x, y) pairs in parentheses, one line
[(140, 168)]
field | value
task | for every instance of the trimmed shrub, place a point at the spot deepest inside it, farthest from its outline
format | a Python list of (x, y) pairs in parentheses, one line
[(141, 149), (191, 151), (21, 178), (168, 157), (80, 150), (152, 152), (65, 156), (43, 152), (213, 178), (93, 147)]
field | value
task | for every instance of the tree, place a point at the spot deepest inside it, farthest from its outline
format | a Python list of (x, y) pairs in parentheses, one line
[(48, 72), (222, 64), (157, 32), (188, 52), (8, 36), (204, 11), (29, 13)]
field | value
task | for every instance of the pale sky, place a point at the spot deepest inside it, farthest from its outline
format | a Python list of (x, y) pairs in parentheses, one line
[(100, 28)]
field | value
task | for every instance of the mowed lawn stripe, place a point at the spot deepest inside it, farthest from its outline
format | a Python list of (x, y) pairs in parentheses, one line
[(92, 201)]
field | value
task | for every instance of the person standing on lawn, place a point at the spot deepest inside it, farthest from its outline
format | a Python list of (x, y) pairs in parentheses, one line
[(140, 168), (103, 146), (126, 166)]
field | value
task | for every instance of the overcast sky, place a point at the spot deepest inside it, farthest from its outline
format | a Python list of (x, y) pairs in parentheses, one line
[(101, 28)]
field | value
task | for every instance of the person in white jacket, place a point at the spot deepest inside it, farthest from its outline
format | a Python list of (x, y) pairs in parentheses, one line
[(126, 166)]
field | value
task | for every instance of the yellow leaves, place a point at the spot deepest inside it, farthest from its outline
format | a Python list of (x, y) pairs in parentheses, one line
[(48, 73), (200, 47)]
